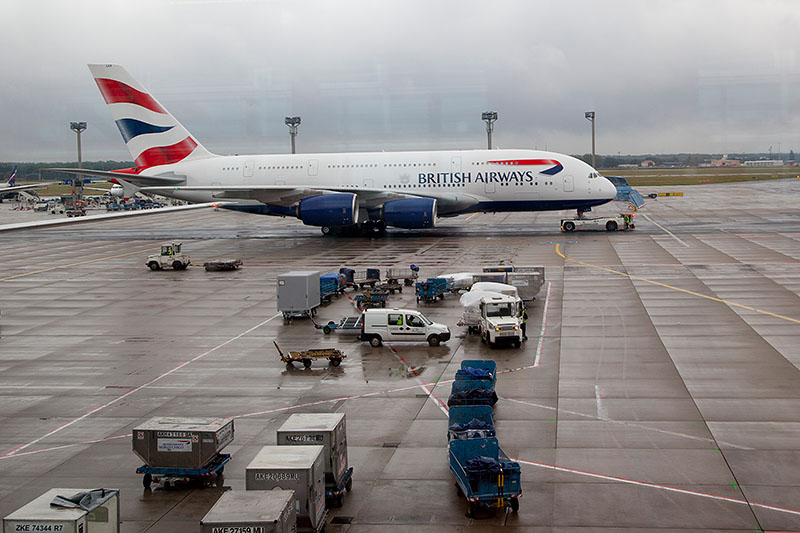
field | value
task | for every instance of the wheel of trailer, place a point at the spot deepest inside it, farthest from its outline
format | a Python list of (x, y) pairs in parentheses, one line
[(326, 330), (307, 363), (177, 265), (400, 289), (407, 282), (349, 485), (147, 480), (632, 225), (434, 340), (338, 501), (517, 343), (611, 225), (569, 226), (514, 502), (326, 230), (221, 470), (154, 265), (336, 361), (375, 341), (383, 303)]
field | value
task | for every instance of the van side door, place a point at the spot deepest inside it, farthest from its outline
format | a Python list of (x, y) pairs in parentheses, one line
[(395, 326)]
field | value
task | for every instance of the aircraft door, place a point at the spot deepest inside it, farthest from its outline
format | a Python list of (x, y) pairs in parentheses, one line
[(248, 169), (313, 166), (569, 184)]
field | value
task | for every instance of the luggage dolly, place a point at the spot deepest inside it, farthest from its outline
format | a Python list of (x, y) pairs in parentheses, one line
[(333, 356), (336, 494), (156, 474)]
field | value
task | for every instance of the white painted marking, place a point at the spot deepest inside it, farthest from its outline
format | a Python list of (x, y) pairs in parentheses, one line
[(665, 229), (602, 412), (539, 347), (140, 387)]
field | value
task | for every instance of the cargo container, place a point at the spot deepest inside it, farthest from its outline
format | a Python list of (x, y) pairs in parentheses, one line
[(99, 512), (172, 442), (330, 431), (252, 511), (297, 468), (298, 293)]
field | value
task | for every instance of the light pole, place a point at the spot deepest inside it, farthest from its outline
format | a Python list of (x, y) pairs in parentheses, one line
[(590, 117), (78, 127), (292, 122), (489, 117)]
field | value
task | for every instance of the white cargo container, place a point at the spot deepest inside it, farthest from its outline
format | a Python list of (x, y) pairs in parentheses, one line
[(297, 468), (298, 293), (330, 431), (39, 515), (252, 511), (176, 442)]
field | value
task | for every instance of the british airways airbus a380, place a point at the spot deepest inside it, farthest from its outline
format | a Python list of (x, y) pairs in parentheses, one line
[(371, 190)]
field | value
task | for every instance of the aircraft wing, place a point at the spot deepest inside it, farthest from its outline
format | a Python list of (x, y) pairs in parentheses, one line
[(137, 179), (283, 195), (17, 188)]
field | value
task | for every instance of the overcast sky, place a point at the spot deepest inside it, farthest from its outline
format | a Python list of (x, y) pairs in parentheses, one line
[(371, 75)]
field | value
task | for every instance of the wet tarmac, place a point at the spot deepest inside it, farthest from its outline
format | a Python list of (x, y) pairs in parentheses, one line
[(659, 387)]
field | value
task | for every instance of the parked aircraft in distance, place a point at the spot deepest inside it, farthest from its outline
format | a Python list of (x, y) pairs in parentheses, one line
[(10, 187), (338, 190)]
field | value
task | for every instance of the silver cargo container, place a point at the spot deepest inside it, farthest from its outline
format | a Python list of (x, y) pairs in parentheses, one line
[(298, 292), (297, 468), (172, 442), (252, 511), (39, 515), (327, 429), (528, 284), (495, 277)]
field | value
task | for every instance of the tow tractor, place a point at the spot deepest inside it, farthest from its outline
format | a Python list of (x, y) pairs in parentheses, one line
[(170, 256), (621, 222)]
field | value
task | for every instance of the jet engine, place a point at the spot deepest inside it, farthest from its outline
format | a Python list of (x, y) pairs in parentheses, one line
[(409, 213), (329, 210)]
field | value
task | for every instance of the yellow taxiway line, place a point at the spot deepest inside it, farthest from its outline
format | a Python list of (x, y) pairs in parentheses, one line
[(685, 291)]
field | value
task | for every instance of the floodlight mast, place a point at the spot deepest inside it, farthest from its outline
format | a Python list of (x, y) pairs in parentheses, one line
[(489, 117), (292, 122), (78, 127), (590, 117)]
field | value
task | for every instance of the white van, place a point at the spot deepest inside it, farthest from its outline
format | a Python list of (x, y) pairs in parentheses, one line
[(378, 325)]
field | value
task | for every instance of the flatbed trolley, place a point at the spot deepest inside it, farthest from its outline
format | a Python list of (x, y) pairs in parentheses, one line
[(336, 494), (333, 356), (346, 324), (154, 474), (371, 299)]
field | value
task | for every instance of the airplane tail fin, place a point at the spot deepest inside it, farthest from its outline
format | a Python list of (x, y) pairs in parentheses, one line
[(12, 181), (151, 133)]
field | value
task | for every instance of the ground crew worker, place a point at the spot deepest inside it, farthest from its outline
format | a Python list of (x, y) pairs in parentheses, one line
[(524, 324)]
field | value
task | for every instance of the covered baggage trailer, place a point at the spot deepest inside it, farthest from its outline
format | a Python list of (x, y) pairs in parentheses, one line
[(217, 265), (477, 369), (472, 392), (470, 422), (484, 474), (432, 289)]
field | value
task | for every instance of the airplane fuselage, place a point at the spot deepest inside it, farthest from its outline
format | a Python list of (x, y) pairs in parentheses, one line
[(500, 180)]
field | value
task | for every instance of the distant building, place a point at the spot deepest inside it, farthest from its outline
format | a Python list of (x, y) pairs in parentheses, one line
[(627, 165), (764, 163), (726, 163), (647, 163)]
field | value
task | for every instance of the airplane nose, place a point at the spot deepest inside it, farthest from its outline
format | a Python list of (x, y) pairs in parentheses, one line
[(608, 189)]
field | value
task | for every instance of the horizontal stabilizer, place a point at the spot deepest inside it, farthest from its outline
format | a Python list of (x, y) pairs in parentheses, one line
[(136, 179)]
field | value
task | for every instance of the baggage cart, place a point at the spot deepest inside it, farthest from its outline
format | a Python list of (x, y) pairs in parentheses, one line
[(328, 430), (348, 324), (297, 468), (370, 299), (333, 356), (330, 285), (68, 511), (370, 276), (477, 369), (389, 287), (252, 511), (217, 265), (432, 289), (298, 293), (470, 422), (484, 474), (170, 476), (472, 392), (408, 275)]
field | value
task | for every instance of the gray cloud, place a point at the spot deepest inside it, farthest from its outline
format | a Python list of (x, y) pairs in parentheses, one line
[(662, 76)]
